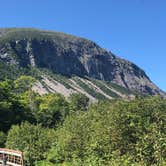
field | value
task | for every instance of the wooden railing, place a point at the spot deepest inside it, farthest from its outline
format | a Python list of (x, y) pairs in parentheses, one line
[(10, 157)]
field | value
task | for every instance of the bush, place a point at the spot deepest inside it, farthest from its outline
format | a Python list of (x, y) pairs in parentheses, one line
[(34, 141), (126, 133), (2, 139)]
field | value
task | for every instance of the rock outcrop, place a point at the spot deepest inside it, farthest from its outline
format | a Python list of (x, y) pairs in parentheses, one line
[(71, 56)]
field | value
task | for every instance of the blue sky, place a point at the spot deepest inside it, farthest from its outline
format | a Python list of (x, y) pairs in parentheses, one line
[(132, 29)]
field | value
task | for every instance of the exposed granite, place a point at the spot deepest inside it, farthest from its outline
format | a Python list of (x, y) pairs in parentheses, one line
[(70, 55)]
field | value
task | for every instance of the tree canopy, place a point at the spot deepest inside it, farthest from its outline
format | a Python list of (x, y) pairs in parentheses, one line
[(53, 130)]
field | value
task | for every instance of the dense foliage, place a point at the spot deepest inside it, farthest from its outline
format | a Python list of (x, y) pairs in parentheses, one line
[(33, 140), (52, 130)]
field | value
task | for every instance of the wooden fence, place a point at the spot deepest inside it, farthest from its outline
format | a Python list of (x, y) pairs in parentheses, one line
[(11, 157)]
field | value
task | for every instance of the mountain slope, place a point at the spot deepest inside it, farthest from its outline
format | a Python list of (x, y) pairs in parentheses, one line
[(71, 56), (48, 82), (92, 88)]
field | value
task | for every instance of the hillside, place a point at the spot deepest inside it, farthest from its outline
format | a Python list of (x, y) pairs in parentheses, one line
[(69, 64), (82, 113), (48, 82)]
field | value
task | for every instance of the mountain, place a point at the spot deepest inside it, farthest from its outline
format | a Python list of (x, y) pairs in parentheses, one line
[(78, 64)]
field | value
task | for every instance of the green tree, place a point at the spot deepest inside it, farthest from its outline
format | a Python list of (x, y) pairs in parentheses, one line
[(52, 109), (79, 102), (12, 109), (23, 83), (34, 141), (2, 139), (119, 133)]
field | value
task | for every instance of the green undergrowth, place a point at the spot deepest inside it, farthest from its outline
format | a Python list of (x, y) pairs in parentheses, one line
[(106, 90), (119, 88), (89, 90)]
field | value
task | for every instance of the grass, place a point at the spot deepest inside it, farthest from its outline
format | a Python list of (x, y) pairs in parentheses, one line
[(119, 88), (89, 90), (61, 79), (105, 89), (62, 39)]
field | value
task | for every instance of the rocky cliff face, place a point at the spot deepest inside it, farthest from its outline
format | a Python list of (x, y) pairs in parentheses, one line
[(71, 56)]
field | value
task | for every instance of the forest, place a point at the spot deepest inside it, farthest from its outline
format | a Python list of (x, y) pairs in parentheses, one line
[(52, 130)]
